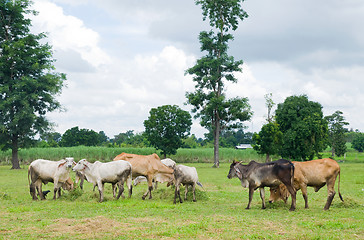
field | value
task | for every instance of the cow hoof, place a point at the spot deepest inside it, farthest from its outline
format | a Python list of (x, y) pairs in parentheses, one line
[(292, 209), (195, 200)]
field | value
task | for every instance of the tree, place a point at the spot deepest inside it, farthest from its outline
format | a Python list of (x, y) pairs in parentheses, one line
[(303, 126), (28, 82), (337, 131), (270, 104), (268, 141), (75, 137), (358, 142), (51, 139), (166, 127), (210, 73)]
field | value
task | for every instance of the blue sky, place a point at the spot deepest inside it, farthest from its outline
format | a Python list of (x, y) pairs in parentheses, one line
[(123, 58)]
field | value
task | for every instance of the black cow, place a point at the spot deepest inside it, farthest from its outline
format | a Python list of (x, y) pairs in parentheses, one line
[(259, 175)]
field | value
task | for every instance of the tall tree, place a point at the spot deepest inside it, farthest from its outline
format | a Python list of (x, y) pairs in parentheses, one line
[(303, 126), (166, 127), (337, 131), (210, 73), (28, 82)]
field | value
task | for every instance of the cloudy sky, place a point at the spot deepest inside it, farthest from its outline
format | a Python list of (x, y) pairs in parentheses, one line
[(124, 57)]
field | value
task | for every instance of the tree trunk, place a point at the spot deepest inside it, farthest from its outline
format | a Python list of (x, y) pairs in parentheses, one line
[(333, 151), (14, 153), (267, 158), (216, 145)]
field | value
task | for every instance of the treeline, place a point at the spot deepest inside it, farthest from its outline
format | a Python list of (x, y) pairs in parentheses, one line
[(88, 137)]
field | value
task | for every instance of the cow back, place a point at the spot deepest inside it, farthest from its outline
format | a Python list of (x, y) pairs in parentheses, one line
[(315, 172)]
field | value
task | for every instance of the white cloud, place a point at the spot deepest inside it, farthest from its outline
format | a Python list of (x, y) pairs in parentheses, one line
[(68, 33)]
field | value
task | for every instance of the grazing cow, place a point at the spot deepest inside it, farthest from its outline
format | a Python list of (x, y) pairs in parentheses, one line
[(315, 173), (116, 172), (187, 176), (259, 175), (168, 162), (148, 166), (44, 171)]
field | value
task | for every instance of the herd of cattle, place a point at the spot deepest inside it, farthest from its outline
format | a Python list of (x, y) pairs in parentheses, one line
[(283, 177)]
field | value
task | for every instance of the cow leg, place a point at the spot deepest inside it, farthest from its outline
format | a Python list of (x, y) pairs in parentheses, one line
[(262, 196), (155, 185), (121, 188), (304, 194), (129, 184), (186, 191), (38, 185), (292, 191), (175, 194), (193, 191), (33, 191), (330, 192), (59, 192), (81, 182), (251, 192), (150, 188), (100, 186), (114, 190)]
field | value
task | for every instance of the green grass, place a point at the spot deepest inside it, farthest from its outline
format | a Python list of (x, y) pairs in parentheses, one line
[(218, 213)]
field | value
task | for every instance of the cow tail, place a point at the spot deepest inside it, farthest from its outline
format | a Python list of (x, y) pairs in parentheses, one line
[(29, 174), (338, 188), (292, 172)]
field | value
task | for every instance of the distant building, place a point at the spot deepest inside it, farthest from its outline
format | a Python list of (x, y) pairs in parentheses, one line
[(243, 146)]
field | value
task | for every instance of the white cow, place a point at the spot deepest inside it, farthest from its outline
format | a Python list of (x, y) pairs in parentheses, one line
[(98, 173), (187, 176), (44, 171)]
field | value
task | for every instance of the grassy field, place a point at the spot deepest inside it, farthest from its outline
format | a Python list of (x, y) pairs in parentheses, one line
[(218, 213), (104, 154)]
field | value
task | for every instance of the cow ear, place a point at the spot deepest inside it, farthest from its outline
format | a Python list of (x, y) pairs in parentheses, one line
[(61, 164)]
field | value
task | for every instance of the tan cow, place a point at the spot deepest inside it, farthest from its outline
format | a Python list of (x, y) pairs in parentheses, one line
[(316, 174), (148, 166)]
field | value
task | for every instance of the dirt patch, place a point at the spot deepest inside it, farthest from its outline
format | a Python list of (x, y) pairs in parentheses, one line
[(88, 227)]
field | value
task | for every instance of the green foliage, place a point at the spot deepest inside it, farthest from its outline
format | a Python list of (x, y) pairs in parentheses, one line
[(166, 127), (28, 82), (303, 126), (223, 15), (75, 137), (130, 139), (358, 142), (209, 102), (336, 123), (269, 140), (233, 138)]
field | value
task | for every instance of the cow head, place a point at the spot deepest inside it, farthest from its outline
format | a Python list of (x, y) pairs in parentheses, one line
[(278, 193), (81, 165), (234, 171), (68, 162), (68, 185)]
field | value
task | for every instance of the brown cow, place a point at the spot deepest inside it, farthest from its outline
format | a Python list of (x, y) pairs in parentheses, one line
[(315, 173), (148, 166)]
